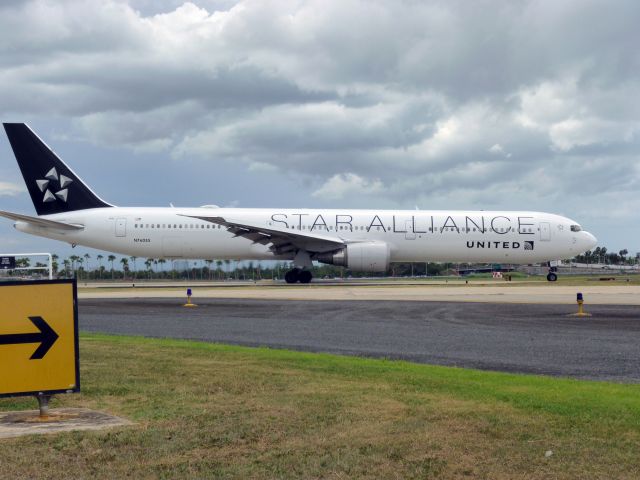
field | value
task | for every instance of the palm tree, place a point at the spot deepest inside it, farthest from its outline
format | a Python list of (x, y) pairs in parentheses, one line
[(100, 257), (162, 261), (133, 260), (74, 259), (250, 267), (65, 262), (226, 264), (111, 259), (87, 257), (148, 263), (23, 262), (623, 254), (125, 266), (54, 262), (80, 262), (219, 267)]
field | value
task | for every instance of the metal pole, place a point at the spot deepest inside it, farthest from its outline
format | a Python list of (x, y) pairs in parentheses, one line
[(43, 404)]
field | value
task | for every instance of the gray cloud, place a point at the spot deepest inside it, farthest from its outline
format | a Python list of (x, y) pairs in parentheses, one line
[(387, 103)]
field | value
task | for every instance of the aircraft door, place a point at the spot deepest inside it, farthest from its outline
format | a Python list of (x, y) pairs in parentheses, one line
[(410, 234), (545, 231), (121, 227)]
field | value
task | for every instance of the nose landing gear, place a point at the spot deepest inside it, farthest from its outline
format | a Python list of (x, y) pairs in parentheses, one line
[(298, 275), (552, 276)]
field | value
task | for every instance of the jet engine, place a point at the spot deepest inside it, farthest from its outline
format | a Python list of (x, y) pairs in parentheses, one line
[(359, 257)]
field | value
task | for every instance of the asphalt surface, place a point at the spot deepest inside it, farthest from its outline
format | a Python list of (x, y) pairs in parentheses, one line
[(538, 339)]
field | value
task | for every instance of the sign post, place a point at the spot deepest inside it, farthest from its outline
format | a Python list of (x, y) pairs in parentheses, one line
[(39, 339)]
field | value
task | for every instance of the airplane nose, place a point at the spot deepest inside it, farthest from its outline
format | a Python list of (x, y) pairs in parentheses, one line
[(590, 241)]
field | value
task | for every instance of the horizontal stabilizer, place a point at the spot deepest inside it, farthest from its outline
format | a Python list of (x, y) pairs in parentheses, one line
[(40, 222)]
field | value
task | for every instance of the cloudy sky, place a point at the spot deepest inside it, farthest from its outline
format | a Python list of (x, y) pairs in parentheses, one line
[(377, 104)]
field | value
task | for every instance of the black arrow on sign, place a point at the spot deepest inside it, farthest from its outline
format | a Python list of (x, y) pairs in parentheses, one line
[(47, 337)]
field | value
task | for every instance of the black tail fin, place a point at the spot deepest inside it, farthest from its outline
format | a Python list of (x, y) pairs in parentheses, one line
[(53, 186)]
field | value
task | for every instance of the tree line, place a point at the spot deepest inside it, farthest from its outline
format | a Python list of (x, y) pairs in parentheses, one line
[(105, 267), (111, 267), (602, 255)]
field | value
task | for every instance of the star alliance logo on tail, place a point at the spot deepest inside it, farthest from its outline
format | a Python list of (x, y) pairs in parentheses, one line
[(50, 177), (528, 245)]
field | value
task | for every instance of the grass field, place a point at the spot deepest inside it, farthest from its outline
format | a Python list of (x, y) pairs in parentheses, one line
[(215, 411)]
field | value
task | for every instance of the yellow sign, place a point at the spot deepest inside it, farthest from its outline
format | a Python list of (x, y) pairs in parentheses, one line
[(38, 338)]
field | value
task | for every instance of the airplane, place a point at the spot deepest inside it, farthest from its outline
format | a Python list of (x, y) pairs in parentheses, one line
[(361, 240)]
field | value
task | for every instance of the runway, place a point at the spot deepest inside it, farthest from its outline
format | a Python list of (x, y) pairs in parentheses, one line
[(506, 337)]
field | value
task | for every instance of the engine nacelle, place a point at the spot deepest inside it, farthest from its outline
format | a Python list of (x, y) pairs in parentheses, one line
[(359, 257)]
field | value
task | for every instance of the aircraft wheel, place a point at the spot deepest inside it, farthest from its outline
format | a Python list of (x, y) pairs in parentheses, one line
[(552, 277), (305, 276), (292, 276)]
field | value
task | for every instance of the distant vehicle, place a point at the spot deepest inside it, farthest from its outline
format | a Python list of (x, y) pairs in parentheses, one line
[(362, 240)]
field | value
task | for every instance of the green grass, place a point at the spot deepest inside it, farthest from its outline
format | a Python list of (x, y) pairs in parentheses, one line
[(207, 410)]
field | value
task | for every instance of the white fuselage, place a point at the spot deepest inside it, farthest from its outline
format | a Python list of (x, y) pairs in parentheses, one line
[(412, 236)]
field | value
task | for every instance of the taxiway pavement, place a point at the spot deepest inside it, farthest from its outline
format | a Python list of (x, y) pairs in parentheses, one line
[(541, 292), (509, 337)]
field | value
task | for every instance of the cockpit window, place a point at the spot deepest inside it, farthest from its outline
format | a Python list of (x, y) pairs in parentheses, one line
[(575, 228)]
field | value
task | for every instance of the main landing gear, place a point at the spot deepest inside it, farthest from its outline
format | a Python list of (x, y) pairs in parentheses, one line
[(552, 276), (298, 275)]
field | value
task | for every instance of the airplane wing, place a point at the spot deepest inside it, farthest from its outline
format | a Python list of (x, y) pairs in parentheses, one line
[(40, 222), (281, 242)]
